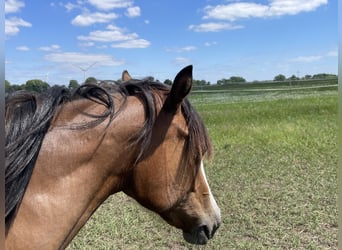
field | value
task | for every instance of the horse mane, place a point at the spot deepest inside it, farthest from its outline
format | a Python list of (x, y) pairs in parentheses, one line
[(28, 117)]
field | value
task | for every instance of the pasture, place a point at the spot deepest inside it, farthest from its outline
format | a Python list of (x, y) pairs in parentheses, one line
[(273, 175)]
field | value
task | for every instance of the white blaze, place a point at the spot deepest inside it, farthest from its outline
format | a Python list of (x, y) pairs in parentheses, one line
[(212, 199)]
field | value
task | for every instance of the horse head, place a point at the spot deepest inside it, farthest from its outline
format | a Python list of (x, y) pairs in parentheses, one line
[(169, 179)]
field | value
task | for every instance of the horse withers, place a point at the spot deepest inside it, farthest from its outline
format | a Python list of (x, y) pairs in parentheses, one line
[(66, 153)]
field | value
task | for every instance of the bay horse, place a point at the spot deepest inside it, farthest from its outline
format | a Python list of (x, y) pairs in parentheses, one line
[(67, 152)]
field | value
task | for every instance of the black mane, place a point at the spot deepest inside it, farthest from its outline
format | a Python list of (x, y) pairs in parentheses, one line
[(28, 117)]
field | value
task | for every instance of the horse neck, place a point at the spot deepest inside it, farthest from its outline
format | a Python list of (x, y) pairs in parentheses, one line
[(75, 172)]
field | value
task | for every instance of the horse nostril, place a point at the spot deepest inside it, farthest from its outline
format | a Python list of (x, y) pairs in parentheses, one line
[(206, 230), (215, 229)]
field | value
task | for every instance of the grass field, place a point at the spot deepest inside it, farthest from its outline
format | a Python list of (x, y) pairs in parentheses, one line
[(273, 175)]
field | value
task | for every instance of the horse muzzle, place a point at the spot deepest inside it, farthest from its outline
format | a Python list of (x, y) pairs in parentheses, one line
[(201, 234)]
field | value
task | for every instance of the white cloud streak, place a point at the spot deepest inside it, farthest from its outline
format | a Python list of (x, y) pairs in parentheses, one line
[(333, 53), (132, 44), (306, 59), (110, 4), (315, 58), (87, 19), (53, 47), (214, 27), (81, 59), (71, 6), (232, 12), (13, 6), (241, 10), (181, 61), (182, 49), (111, 34), (116, 34), (13, 24), (133, 12), (209, 44), (23, 48)]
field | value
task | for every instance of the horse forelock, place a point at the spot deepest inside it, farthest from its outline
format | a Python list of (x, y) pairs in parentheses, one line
[(197, 145)]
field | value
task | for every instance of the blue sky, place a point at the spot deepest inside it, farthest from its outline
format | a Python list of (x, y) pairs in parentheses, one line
[(255, 39)]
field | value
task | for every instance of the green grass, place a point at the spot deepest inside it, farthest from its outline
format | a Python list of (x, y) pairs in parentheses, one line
[(273, 175)]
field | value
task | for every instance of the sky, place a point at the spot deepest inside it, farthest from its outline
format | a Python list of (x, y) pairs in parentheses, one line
[(58, 41)]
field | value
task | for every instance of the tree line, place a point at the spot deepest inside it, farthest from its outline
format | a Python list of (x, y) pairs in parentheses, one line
[(35, 85), (322, 76), (38, 85)]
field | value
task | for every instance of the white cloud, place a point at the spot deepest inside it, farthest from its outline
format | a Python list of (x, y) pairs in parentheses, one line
[(333, 53), (310, 59), (181, 61), (235, 11), (87, 19), (13, 6), (209, 44), (132, 44), (293, 7), (71, 6), (214, 27), (306, 59), (103, 46), (12, 25), (116, 34), (87, 44), (81, 59), (183, 49), (240, 10), (110, 4), (133, 11), (112, 34), (53, 47), (23, 48), (188, 48)]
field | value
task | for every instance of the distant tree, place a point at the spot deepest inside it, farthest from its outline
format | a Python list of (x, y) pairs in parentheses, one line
[(200, 82), (237, 79), (232, 79), (324, 76), (279, 77), (149, 78), (7, 85), (36, 85), (91, 80), (73, 84), (9, 88), (168, 82), (307, 77), (293, 78), (223, 81)]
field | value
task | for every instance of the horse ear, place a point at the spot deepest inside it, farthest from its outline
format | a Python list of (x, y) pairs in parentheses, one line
[(126, 76), (180, 88)]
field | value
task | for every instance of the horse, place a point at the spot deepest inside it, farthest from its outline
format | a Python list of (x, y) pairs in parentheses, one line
[(67, 151)]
